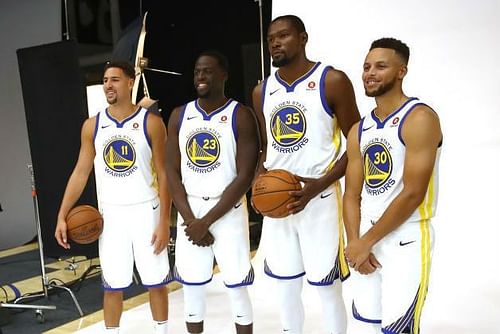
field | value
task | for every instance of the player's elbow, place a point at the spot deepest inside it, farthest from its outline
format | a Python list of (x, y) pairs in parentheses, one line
[(414, 195)]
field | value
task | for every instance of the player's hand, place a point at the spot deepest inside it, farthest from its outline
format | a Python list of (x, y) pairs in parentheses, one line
[(61, 233), (160, 238), (370, 265), (207, 240), (309, 190), (195, 230), (357, 252)]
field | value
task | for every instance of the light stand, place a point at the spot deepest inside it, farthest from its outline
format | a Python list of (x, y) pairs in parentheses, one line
[(261, 41), (46, 284)]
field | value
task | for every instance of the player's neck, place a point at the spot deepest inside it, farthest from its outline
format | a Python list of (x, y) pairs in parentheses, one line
[(210, 104), (121, 111), (293, 71), (388, 103)]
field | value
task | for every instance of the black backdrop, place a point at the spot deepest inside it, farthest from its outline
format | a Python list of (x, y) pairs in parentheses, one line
[(55, 107), (178, 32)]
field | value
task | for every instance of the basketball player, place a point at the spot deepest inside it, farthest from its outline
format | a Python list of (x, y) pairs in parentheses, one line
[(303, 109), (127, 145), (212, 149), (390, 197)]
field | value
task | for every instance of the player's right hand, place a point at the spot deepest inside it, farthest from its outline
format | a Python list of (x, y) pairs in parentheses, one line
[(206, 241), (370, 265), (61, 234)]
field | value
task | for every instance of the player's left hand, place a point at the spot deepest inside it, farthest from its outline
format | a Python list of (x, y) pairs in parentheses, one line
[(357, 252), (370, 265), (310, 189), (160, 238), (195, 230)]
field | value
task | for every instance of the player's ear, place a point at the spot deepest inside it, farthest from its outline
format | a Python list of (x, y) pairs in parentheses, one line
[(403, 69), (304, 37)]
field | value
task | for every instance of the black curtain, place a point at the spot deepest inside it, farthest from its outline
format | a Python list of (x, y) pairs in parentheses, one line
[(55, 106)]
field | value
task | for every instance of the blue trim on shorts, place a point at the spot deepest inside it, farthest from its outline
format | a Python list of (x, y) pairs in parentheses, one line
[(108, 288), (358, 316), (329, 279), (320, 283), (191, 283), (247, 281), (269, 273), (177, 277), (166, 281)]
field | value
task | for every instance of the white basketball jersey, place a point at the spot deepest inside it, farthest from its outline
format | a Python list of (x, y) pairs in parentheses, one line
[(383, 152), (123, 162), (303, 135), (207, 143)]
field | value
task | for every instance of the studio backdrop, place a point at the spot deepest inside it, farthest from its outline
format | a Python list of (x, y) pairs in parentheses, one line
[(55, 107)]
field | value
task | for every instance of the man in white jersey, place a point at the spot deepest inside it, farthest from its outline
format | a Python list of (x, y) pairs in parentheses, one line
[(212, 149), (126, 146), (390, 197), (303, 109)]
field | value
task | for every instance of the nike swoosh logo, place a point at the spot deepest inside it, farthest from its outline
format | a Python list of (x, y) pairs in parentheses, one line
[(191, 315), (239, 316), (105, 126), (237, 205), (274, 91), (156, 206), (325, 195), (406, 243), (189, 118), (368, 128)]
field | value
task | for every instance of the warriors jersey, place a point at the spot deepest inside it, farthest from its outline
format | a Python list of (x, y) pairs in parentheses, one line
[(207, 143), (303, 135), (123, 162), (383, 153)]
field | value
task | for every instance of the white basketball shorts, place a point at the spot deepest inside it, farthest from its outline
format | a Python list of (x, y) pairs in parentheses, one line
[(308, 243), (394, 295), (194, 264), (126, 237)]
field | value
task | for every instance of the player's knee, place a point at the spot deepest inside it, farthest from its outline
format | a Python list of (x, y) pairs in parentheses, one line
[(241, 305), (194, 303), (330, 293), (159, 290), (113, 294)]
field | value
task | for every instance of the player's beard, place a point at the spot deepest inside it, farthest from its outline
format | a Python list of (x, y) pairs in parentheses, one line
[(280, 62), (112, 101), (382, 89)]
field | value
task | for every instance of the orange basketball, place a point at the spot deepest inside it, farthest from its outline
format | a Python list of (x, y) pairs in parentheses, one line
[(270, 192), (84, 224)]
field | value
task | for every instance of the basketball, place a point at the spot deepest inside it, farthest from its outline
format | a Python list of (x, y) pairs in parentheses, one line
[(84, 224), (270, 192)]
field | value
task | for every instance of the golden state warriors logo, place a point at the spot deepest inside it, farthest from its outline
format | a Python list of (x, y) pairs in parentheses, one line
[(119, 155), (288, 128), (203, 149), (378, 165)]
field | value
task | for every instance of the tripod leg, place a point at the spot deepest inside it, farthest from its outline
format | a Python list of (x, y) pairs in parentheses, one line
[(72, 296)]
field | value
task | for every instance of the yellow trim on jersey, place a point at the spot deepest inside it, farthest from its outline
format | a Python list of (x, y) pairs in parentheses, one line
[(154, 184), (425, 208), (343, 266), (425, 250), (337, 142)]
